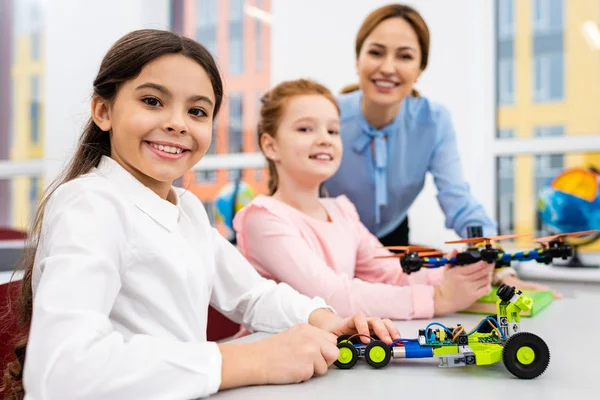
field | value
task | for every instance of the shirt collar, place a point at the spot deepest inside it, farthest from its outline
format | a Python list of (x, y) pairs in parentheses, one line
[(162, 211), (403, 114)]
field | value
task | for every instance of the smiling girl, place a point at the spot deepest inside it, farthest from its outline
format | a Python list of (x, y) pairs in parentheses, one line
[(318, 245)]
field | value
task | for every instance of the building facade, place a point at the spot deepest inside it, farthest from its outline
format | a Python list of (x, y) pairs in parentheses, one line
[(26, 131), (548, 85), (241, 44), (5, 98)]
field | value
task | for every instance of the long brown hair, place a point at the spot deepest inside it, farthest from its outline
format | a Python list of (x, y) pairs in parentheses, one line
[(124, 61), (381, 14), (273, 107)]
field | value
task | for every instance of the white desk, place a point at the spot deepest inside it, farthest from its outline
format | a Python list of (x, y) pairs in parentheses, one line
[(569, 327), (535, 271)]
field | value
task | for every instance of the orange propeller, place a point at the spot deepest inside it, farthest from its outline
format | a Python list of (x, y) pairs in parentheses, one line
[(487, 240), (560, 236), (408, 249), (421, 254)]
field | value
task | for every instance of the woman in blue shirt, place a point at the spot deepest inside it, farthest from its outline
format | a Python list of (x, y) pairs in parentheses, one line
[(392, 136)]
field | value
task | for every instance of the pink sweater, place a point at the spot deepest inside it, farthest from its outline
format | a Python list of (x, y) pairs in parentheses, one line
[(334, 260)]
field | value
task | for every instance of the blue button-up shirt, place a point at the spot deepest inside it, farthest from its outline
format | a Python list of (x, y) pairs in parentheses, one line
[(383, 171)]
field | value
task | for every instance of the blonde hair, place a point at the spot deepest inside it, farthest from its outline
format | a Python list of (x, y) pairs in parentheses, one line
[(381, 14), (273, 105)]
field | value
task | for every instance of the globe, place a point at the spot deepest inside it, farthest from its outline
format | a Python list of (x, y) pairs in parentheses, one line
[(225, 204), (570, 201)]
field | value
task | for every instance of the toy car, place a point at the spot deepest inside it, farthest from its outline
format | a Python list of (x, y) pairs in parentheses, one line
[(494, 338)]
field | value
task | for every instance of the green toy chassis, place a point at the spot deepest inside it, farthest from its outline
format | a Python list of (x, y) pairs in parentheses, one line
[(494, 338)]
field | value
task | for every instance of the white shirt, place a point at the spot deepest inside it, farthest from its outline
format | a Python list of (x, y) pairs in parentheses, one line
[(122, 284)]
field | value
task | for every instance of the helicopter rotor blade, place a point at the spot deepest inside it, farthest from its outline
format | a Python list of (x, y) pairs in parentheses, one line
[(563, 235), (488, 239)]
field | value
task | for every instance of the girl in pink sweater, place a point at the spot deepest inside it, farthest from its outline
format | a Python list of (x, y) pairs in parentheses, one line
[(318, 245)]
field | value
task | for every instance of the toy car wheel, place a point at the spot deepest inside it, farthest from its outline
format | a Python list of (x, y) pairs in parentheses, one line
[(378, 354), (526, 355), (348, 356)]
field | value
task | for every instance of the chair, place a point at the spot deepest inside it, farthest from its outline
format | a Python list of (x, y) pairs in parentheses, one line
[(12, 234), (219, 326), (8, 326)]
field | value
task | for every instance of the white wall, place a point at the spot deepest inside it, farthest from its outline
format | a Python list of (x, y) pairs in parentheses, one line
[(460, 75), (78, 33)]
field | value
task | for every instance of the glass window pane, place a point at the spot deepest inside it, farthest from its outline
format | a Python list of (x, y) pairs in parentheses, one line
[(236, 10), (21, 74), (235, 123), (520, 205), (226, 35)]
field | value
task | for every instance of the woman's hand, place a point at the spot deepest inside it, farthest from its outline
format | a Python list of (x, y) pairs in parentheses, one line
[(461, 286)]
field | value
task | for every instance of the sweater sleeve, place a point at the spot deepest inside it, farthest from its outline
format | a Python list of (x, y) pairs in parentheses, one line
[(373, 263), (276, 247)]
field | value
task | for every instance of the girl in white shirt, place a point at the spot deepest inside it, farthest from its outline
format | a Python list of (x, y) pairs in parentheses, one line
[(123, 265)]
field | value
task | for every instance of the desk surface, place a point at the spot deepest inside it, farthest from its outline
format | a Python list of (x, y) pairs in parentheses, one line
[(572, 372)]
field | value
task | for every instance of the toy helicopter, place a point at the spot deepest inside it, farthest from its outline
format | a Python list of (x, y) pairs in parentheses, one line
[(494, 338), (413, 258)]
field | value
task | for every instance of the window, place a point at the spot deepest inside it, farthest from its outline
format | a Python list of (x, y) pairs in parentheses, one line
[(235, 130), (547, 16), (546, 120), (549, 131), (546, 167), (506, 194), (506, 81), (236, 55), (34, 110), (33, 193), (209, 175), (35, 45), (506, 19), (207, 12), (236, 10), (258, 172), (258, 40), (36, 16), (548, 77), (206, 29), (506, 133), (235, 123), (236, 37)]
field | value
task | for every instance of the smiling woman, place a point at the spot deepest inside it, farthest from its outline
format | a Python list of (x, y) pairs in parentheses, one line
[(392, 136)]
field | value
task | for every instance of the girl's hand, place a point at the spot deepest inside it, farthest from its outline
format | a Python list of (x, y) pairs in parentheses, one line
[(355, 324), (461, 286), (513, 280), (292, 356)]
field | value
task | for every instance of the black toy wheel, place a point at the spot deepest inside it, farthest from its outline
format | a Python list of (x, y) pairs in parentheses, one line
[(526, 355), (378, 354), (348, 356)]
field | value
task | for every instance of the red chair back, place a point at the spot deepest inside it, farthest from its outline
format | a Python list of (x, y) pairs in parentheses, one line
[(12, 234), (219, 326), (8, 326)]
